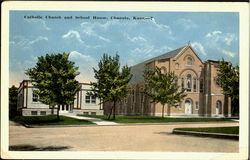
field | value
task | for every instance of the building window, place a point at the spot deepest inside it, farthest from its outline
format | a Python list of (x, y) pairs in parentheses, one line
[(87, 99), (43, 113), (196, 105), (33, 113), (216, 81), (189, 61), (176, 82), (93, 113), (182, 83), (218, 107), (86, 113), (189, 82), (201, 85), (180, 106), (133, 98), (34, 97), (163, 70), (177, 66), (194, 85), (93, 99)]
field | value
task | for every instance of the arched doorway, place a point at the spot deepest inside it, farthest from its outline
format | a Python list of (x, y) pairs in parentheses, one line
[(218, 109), (188, 106)]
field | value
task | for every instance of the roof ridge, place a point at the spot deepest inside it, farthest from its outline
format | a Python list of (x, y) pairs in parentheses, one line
[(180, 48)]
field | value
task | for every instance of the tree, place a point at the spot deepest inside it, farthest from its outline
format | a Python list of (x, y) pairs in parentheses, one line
[(162, 88), (111, 85), (228, 80), (13, 92), (54, 77)]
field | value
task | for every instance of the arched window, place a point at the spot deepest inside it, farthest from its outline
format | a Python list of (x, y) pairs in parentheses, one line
[(163, 70), (176, 82), (177, 66), (194, 85), (182, 83), (189, 82), (189, 61), (218, 107), (201, 85)]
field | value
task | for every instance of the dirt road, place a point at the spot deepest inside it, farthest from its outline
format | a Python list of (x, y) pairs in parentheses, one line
[(119, 138)]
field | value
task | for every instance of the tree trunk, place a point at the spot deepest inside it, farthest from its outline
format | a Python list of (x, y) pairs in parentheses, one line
[(53, 108), (57, 116), (114, 110), (110, 112), (162, 116)]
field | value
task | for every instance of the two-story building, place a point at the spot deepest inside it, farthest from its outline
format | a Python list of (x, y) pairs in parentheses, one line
[(29, 104)]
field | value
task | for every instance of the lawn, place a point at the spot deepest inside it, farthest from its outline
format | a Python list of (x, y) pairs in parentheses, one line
[(49, 120), (225, 130), (155, 119)]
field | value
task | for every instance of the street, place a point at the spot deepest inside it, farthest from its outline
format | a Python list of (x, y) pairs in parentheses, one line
[(152, 137)]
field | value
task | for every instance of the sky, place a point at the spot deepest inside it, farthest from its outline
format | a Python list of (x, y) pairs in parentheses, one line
[(213, 35)]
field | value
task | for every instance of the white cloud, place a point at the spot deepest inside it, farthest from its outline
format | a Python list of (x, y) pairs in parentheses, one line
[(228, 53), (73, 33), (135, 39), (186, 23), (213, 34), (88, 29), (199, 47), (161, 26), (40, 22), (24, 43), (85, 64), (40, 38), (221, 43), (138, 55), (218, 36)]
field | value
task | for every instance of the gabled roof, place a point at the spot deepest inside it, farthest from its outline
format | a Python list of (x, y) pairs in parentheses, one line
[(137, 70)]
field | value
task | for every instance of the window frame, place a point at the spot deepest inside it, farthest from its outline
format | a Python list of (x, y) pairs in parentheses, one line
[(87, 100), (35, 96), (189, 61), (197, 105), (189, 82), (194, 84), (201, 86), (34, 112)]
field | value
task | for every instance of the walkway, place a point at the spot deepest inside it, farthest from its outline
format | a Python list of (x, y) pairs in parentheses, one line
[(91, 119)]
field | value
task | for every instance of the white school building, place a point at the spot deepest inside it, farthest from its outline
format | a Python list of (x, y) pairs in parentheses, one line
[(29, 105)]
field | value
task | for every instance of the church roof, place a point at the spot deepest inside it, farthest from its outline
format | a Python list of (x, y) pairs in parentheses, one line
[(138, 69)]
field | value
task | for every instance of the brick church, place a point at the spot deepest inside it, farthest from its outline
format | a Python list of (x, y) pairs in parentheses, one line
[(204, 95)]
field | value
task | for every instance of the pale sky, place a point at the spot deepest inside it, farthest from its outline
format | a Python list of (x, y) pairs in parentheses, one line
[(213, 35)]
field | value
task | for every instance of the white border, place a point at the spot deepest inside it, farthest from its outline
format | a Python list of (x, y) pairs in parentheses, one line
[(241, 7)]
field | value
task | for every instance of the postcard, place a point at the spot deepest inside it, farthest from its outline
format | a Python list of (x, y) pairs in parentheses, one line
[(125, 80)]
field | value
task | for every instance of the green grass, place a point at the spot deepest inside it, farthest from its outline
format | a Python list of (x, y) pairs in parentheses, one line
[(225, 130), (49, 120), (155, 119)]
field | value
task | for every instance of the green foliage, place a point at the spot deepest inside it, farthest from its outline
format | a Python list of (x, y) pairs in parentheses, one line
[(224, 130), (162, 87), (156, 119), (54, 77), (228, 79), (111, 85), (50, 120), (13, 92)]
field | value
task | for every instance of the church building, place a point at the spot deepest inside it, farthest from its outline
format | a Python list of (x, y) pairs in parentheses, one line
[(204, 95)]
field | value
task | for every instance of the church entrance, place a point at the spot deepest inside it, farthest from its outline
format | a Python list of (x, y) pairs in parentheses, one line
[(188, 106)]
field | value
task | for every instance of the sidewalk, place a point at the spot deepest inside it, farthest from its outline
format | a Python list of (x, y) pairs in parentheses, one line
[(94, 120)]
